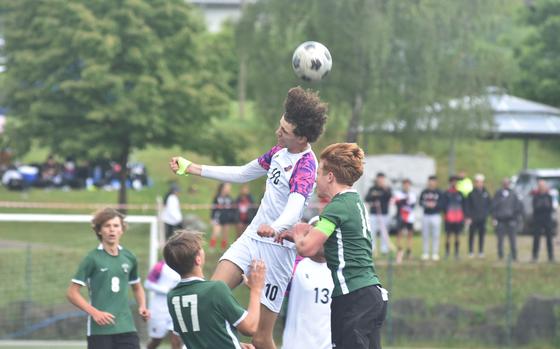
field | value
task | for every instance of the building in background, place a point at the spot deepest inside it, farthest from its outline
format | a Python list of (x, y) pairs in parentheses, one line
[(216, 12)]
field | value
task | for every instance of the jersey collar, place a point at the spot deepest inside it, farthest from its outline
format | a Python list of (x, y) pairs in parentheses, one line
[(100, 247), (192, 278), (351, 190), (306, 150)]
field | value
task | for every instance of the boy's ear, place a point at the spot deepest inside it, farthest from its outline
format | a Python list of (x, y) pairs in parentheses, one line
[(302, 139), (198, 259)]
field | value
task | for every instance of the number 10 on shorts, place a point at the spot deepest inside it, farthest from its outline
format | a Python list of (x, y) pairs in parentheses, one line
[(270, 291), (189, 301)]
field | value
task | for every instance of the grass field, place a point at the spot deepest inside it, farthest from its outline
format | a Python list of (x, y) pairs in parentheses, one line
[(56, 249)]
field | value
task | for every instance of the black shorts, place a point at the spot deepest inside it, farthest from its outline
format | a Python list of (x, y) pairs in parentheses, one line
[(128, 340), (406, 226), (453, 228), (170, 229), (356, 319)]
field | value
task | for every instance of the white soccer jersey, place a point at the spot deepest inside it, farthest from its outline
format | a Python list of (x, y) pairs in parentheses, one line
[(308, 324), (287, 173), (160, 280), (290, 183)]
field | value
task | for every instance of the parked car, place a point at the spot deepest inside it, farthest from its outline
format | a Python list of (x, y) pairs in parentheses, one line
[(526, 183)]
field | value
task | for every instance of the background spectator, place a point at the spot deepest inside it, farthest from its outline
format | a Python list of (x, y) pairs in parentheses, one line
[(477, 208), (464, 184), (171, 214), (454, 208), (245, 209), (543, 208), (51, 175), (405, 201), (506, 209), (224, 214), (431, 200), (13, 179), (378, 198)]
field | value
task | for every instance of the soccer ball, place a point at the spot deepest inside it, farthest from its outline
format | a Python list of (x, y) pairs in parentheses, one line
[(311, 61)]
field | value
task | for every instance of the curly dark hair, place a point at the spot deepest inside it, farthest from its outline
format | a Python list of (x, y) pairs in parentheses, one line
[(304, 109)]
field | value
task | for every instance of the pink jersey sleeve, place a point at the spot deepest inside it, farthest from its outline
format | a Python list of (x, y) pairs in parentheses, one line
[(266, 158), (155, 273), (304, 175)]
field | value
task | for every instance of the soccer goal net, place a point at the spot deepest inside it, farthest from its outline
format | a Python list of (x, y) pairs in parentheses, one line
[(39, 254)]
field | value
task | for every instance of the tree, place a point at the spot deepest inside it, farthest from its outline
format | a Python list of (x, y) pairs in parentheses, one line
[(391, 59), (539, 77), (101, 78)]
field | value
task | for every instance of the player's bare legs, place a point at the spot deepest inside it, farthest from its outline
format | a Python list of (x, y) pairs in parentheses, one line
[(225, 235), (154, 343), (399, 246), (409, 243), (229, 273), (216, 232), (263, 337), (176, 342)]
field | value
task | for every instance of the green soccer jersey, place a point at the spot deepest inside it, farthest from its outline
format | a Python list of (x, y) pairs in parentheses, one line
[(107, 278), (348, 247), (205, 314)]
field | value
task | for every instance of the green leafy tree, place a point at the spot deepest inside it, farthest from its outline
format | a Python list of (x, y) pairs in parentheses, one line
[(391, 59), (102, 78), (539, 53)]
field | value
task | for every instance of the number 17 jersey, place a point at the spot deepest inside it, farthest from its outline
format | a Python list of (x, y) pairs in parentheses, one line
[(205, 314)]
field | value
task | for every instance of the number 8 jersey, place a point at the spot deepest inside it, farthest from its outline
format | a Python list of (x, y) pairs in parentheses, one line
[(107, 278), (205, 314)]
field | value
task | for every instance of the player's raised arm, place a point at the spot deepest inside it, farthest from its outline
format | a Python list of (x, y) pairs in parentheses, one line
[(290, 215), (309, 240), (255, 281), (235, 174)]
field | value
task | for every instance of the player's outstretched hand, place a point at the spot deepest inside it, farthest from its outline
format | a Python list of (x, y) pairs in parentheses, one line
[(266, 230), (103, 318), (247, 346), (179, 165), (144, 313), (255, 279)]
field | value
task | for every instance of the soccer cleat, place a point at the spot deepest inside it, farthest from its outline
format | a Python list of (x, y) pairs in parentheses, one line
[(435, 257), (425, 256)]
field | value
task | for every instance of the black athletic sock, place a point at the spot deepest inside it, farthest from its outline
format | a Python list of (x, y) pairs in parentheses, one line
[(446, 248), (456, 248)]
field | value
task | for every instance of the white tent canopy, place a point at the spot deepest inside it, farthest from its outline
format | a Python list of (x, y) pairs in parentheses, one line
[(513, 117)]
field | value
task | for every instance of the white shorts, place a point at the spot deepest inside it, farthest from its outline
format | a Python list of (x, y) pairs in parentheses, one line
[(279, 262), (159, 325)]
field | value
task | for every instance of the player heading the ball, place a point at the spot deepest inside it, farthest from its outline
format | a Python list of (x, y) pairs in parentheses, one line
[(204, 312), (291, 168)]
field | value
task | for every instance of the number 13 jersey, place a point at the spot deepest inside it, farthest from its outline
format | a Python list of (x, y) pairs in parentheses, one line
[(308, 323)]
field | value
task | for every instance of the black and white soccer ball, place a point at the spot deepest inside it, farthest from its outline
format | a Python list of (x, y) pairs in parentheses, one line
[(311, 61)]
